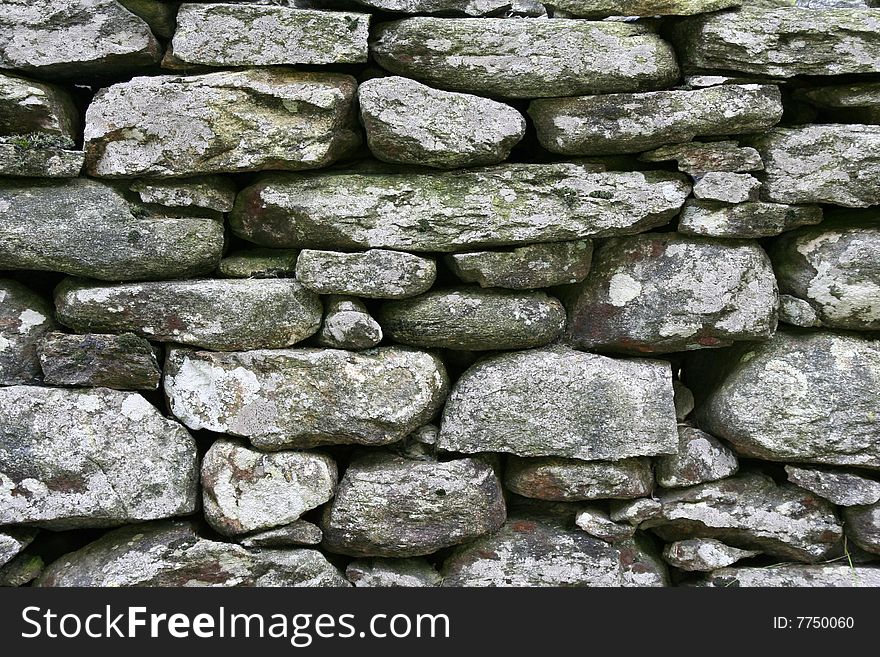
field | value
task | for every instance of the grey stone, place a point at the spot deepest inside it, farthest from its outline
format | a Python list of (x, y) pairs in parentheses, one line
[(852, 103), (603, 8), (74, 38), (843, 487), (389, 506), (474, 319), (348, 325), (221, 314), (22, 570), (703, 554), (595, 522), (298, 532), (700, 458), (749, 220), (91, 458), (629, 123), (13, 540), (446, 7), (374, 274), (25, 317), (410, 123), (173, 554), (158, 14), (664, 292), (300, 398), (526, 267), (727, 187), (697, 157), (244, 490), (523, 58), (799, 397), (210, 192), (268, 35), (560, 402), (684, 400), (797, 312), (121, 362), (508, 205), (259, 263), (794, 575), (29, 106), (750, 511), (413, 572), (572, 480), (18, 162), (230, 121), (634, 512), (862, 525), (103, 236)]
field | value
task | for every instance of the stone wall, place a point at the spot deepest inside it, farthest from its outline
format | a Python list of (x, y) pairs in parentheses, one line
[(440, 292)]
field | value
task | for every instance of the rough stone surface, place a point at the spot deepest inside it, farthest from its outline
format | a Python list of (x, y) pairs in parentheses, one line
[(298, 532), (862, 525), (570, 480), (843, 487), (526, 267), (91, 458), (389, 506), (25, 318), (348, 325), (445, 7), (299, 398), (210, 192), (103, 236), (629, 123), (523, 58), (221, 314), (17, 162), (749, 220), (22, 570), (794, 575), (121, 362), (29, 106), (230, 121), (662, 292), (244, 490), (596, 523), (684, 400), (259, 263), (374, 274), (508, 205), (634, 512), (13, 540), (727, 187), (560, 402), (800, 397), (853, 103), (474, 319), (173, 554), (410, 123), (697, 158), (797, 312), (703, 554), (603, 8), (700, 458), (411, 572)]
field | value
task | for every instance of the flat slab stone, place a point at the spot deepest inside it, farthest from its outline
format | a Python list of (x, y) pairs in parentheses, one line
[(525, 267), (412, 572), (603, 8), (794, 575), (595, 522), (727, 187), (572, 480), (507, 205), (259, 263), (25, 317), (854, 103), (843, 487), (30, 106), (703, 554), (221, 314), (445, 7), (300, 398), (373, 274), (697, 157), (560, 402), (91, 458), (17, 162), (299, 532), (750, 220), (209, 192), (700, 458)]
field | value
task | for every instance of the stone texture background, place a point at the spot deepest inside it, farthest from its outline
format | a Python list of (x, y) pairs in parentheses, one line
[(440, 292)]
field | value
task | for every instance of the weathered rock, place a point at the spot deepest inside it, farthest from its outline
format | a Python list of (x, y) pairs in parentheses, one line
[(525, 59), (158, 14), (268, 35), (222, 314), (29, 106), (794, 575), (697, 158), (501, 206), (663, 292), (410, 123), (629, 123), (246, 120), (862, 525), (836, 269), (684, 400), (700, 458), (13, 540), (797, 312), (122, 362), (837, 164), (596, 523), (526, 267), (210, 192), (348, 325), (446, 7), (259, 263), (411, 572), (389, 506), (299, 532), (560, 402), (299, 398), (634, 512), (800, 397), (703, 554), (536, 551), (91, 458), (567, 480), (782, 42), (727, 187), (474, 319), (22, 570), (17, 162), (603, 8), (172, 554), (750, 511), (374, 274), (103, 236), (843, 487), (25, 318), (852, 103), (748, 220), (245, 490), (74, 38)]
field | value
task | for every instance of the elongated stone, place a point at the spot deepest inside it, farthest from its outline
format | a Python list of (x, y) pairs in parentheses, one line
[(745, 220), (389, 506), (727, 187), (634, 512), (91, 458), (259, 263), (603, 8), (526, 267), (794, 575), (122, 362), (702, 554), (412, 572), (525, 59), (29, 106), (700, 458), (629, 123), (22, 570), (782, 42), (13, 540), (221, 314), (298, 532), (445, 7), (348, 325), (862, 525), (508, 205), (572, 480), (595, 522), (474, 319), (231, 121), (25, 317), (852, 103), (210, 192), (374, 274), (843, 487), (698, 157), (299, 398), (17, 162), (560, 402)]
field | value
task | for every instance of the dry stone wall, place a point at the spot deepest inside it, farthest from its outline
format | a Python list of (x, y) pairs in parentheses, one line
[(440, 292)]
